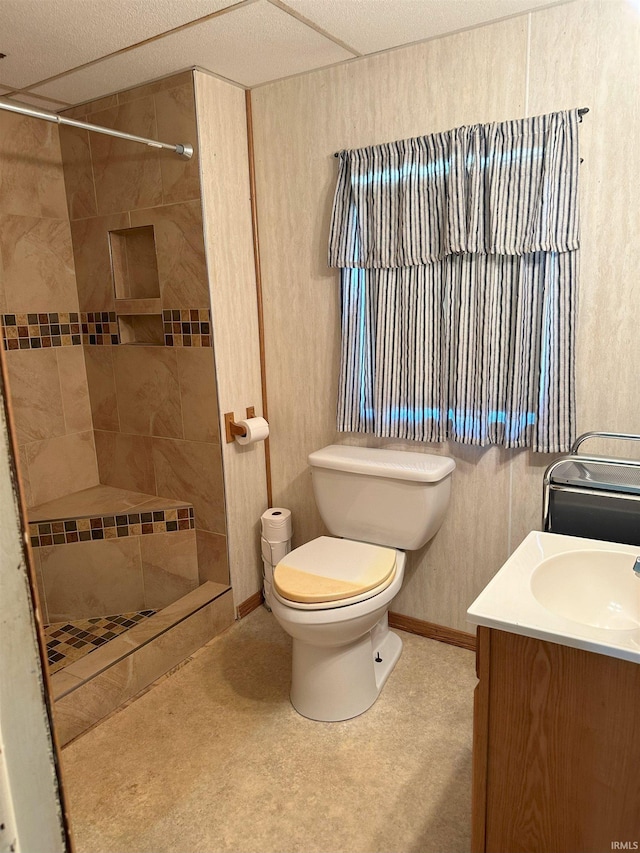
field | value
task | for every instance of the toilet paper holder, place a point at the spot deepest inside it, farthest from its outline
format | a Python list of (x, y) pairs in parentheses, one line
[(231, 428)]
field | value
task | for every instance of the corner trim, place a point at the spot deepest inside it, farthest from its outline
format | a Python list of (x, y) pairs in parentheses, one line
[(259, 299), (249, 604), (442, 633)]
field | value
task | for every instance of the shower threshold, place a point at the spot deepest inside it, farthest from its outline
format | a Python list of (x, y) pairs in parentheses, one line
[(90, 688)]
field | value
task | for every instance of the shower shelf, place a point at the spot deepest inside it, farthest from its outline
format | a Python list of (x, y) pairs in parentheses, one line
[(138, 306), (141, 329)]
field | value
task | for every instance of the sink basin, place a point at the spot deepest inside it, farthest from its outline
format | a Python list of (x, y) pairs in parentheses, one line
[(595, 588), (569, 590)]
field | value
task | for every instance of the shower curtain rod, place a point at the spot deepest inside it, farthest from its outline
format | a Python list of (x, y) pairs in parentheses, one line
[(582, 111), (182, 150)]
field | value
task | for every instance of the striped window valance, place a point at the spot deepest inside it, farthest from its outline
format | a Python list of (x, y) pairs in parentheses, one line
[(459, 274)]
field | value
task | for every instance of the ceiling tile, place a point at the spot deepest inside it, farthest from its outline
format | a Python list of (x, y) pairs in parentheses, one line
[(249, 45), (57, 36), (372, 25)]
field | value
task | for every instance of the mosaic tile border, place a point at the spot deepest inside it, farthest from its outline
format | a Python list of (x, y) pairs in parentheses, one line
[(67, 642), (189, 327), (65, 531), (36, 331), (183, 327)]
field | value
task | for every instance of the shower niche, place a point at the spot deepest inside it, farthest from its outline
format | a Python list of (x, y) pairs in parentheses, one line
[(136, 284)]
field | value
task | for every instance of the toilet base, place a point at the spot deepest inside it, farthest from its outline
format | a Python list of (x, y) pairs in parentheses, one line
[(337, 683)]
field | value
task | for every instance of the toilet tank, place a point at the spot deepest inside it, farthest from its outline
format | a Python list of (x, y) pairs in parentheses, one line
[(396, 498)]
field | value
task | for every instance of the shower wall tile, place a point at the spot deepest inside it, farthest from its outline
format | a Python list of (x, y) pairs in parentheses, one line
[(148, 390), (2, 300), (213, 559), (88, 579), (176, 122), (169, 567), (154, 408), (59, 466), (36, 395), (126, 461), (74, 388), (83, 110), (23, 472), (198, 394), (93, 260), (36, 259), (126, 174), (78, 173), (183, 79), (31, 179), (102, 387), (180, 252), (192, 471), (42, 595)]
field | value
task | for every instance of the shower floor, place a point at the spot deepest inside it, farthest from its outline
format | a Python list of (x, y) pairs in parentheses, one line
[(67, 642)]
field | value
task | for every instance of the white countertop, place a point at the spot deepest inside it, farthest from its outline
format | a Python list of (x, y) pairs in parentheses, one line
[(508, 603)]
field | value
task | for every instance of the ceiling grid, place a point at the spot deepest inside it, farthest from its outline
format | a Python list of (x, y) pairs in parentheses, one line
[(65, 53)]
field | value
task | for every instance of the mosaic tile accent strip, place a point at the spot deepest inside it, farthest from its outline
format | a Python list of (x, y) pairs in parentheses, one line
[(37, 331), (100, 328), (64, 531), (59, 329), (67, 642), (187, 327)]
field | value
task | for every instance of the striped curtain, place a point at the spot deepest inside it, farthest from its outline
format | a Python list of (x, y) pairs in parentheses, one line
[(459, 261)]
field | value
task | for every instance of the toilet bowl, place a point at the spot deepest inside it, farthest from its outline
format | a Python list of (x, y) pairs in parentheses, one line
[(343, 651), (332, 594)]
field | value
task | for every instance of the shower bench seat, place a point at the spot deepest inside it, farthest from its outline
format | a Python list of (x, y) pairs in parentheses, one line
[(105, 550)]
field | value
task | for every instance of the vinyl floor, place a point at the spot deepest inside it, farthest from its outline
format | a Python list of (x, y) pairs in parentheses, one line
[(214, 758)]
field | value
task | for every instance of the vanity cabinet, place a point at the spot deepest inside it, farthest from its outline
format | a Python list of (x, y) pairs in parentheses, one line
[(556, 752)]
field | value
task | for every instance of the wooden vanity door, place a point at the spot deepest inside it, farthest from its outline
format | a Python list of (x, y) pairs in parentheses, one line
[(558, 746)]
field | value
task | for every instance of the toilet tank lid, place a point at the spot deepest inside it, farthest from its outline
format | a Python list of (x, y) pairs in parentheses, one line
[(380, 462)]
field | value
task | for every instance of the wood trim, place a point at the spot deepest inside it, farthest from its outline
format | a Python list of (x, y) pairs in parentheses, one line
[(249, 604), (452, 636), (258, 269)]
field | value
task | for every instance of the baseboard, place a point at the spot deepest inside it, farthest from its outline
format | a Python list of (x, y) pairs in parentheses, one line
[(452, 636), (249, 604)]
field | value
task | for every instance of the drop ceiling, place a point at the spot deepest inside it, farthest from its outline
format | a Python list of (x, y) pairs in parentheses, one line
[(62, 52)]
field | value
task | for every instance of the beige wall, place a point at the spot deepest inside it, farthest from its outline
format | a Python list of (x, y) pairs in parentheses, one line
[(154, 408), (49, 384), (581, 54), (225, 188)]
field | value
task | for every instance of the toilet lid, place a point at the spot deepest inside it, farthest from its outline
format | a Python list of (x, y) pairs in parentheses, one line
[(328, 569)]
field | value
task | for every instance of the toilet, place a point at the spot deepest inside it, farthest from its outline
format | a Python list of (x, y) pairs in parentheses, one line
[(332, 594)]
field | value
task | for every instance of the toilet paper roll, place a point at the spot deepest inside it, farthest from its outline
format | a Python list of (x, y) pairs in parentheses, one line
[(273, 552), (256, 429), (276, 524)]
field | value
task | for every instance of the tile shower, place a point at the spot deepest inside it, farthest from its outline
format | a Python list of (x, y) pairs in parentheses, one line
[(106, 329)]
